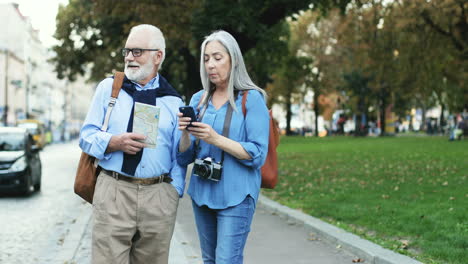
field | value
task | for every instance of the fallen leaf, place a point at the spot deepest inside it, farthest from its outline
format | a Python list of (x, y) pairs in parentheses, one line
[(404, 244)]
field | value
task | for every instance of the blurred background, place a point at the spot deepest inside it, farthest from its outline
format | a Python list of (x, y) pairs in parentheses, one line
[(375, 67), (367, 94)]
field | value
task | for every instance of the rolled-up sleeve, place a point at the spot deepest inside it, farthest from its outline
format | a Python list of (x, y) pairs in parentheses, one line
[(93, 141), (186, 157), (178, 172), (257, 130)]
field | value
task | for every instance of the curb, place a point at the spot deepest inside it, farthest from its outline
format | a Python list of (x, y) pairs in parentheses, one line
[(370, 252), (75, 235)]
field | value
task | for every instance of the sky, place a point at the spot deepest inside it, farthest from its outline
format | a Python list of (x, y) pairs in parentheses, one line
[(42, 14)]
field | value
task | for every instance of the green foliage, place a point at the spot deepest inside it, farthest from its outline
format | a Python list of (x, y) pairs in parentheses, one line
[(88, 37), (92, 33), (408, 58), (407, 194)]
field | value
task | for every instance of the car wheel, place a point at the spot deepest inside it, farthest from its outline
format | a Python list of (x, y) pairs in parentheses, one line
[(37, 186), (28, 187)]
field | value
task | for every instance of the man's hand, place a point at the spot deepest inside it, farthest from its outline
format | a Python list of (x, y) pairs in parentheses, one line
[(129, 143)]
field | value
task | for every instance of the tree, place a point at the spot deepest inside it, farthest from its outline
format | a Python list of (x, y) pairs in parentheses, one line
[(438, 32), (287, 86), (92, 33), (317, 38)]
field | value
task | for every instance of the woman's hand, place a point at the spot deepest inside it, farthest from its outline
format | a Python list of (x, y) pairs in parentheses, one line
[(204, 132), (185, 138), (183, 122)]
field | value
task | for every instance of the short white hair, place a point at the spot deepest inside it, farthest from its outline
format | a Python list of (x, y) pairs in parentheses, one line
[(239, 79), (156, 40)]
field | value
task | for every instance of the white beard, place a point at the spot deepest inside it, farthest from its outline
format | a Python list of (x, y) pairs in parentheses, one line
[(142, 73)]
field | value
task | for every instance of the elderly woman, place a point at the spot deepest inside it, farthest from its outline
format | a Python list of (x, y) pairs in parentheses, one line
[(227, 148)]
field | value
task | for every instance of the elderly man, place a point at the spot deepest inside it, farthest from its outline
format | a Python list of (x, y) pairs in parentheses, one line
[(138, 189)]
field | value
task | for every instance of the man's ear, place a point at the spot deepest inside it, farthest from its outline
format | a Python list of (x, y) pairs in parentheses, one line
[(158, 58)]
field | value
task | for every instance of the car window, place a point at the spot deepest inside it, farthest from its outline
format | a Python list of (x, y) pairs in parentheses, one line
[(11, 142)]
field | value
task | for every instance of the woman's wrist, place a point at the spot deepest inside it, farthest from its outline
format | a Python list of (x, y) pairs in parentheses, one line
[(184, 142)]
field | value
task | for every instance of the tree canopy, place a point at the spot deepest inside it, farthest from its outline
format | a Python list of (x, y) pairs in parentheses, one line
[(92, 33)]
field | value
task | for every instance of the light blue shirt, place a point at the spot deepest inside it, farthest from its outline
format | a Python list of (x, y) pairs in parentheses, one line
[(239, 178), (154, 162)]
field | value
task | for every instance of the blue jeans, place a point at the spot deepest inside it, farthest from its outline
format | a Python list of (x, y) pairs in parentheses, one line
[(223, 232)]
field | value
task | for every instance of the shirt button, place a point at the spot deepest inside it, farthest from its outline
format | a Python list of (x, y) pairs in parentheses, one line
[(142, 166)]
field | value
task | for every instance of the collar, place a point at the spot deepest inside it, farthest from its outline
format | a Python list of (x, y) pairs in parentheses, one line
[(152, 84)]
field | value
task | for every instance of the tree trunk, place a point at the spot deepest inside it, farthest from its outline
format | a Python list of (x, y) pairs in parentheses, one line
[(383, 106), (316, 112), (442, 120), (423, 119), (360, 127), (288, 118)]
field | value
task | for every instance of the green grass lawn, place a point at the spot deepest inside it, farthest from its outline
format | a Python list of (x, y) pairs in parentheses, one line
[(407, 194)]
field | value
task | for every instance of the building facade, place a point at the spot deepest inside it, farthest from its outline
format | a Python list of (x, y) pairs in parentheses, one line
[(29, 88)]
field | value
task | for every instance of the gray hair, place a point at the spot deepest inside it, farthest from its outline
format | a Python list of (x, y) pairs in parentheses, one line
[(156, 40), (238, 78)]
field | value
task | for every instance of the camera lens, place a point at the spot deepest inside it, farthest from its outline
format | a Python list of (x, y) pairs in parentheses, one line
[(204, 171)]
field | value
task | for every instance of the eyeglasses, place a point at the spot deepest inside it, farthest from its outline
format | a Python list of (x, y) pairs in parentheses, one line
[(136, 52)]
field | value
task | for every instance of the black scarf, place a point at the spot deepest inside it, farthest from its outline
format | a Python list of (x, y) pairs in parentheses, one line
[(148, 96)]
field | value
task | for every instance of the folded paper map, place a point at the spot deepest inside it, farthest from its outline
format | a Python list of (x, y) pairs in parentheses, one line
[(146, 121)]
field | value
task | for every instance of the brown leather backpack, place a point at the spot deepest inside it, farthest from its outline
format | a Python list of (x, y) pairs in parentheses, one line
[(269, 170)]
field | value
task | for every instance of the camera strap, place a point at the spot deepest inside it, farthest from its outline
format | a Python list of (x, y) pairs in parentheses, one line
[(226, 125)]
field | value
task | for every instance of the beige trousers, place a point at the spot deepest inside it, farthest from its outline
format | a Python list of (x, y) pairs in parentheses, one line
[(133, 224)]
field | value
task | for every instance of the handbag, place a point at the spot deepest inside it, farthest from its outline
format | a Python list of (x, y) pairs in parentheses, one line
[(88, 170)]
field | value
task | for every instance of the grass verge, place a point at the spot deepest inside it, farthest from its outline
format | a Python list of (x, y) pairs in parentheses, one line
[(407, 194)]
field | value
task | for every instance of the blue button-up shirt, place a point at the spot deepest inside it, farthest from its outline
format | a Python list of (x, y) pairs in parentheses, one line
[(154, 162), (239, 177)]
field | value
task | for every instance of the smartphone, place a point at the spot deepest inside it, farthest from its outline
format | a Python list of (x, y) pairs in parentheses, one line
[(188, 111)]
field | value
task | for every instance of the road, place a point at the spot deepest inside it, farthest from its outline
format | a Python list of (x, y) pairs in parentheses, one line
[(40, 228), (33, 229)]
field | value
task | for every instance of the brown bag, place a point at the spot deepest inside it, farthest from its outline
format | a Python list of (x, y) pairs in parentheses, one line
[(269, 169), (87, 171)]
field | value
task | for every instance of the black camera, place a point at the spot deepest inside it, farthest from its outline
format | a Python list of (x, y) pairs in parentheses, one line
[(207, 169)]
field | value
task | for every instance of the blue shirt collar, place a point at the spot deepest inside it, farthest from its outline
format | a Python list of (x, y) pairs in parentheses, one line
[(152, 84)]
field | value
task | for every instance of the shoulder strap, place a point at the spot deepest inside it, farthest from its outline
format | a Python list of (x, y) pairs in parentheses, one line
[(201, 99), (116, 85), (244, 101)]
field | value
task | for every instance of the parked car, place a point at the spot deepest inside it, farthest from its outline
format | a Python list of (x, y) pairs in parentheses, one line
[(37, 130), (20, 164)]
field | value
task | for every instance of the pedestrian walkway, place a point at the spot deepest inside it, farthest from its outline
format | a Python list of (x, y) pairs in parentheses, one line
[(279, 235), (273, 240)]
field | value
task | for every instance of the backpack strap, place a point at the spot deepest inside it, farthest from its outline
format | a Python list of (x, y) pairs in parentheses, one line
[(244, 101), (116, 85)]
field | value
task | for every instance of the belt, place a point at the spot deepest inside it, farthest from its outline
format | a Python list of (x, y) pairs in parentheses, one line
[(144, 181)]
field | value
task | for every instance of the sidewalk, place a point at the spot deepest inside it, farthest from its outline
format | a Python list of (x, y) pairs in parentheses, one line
[(279, 235)]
